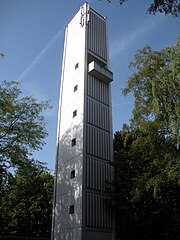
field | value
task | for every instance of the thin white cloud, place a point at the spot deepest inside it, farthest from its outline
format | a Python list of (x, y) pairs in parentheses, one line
[(41, 55), (123, 42), (43, 52), (122, 104)]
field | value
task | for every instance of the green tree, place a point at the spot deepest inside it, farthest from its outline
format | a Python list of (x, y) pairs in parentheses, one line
[(162, 6), (26, 186), (166, 7), (22, 126), (1, 55), (155, 83), (147, 154), (26, 202), (146, 187)]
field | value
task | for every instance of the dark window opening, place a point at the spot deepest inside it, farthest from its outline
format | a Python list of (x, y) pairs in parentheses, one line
[(76, 88), (74, 113), (77, 65), (73, 142), (72, 174), (71, 209)]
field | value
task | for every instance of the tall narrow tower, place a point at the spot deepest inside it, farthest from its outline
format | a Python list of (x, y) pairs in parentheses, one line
[(84, 138)]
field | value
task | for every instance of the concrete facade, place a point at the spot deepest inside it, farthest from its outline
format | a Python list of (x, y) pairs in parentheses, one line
[(84, 137)]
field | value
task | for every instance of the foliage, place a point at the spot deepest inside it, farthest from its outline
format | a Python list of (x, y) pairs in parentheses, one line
[(162, 6), (26, 186), (1, 55), (22, 126), (120, 1), (166, 7), (147, 153), (146, 185), (155, 84), (26, 202)]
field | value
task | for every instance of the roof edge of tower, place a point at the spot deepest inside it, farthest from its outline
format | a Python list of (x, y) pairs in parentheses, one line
[(104, 18)]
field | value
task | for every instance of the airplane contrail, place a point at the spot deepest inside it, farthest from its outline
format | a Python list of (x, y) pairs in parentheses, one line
[(43, 51), (122, 104), (41, 54)]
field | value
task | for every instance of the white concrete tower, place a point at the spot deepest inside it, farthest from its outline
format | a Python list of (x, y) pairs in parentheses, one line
[(84, 138)]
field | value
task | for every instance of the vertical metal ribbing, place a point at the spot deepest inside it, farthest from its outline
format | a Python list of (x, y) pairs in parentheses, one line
[(95, 44), (102, 148), (106, 174), (96, 142), (93, 210), (99, 175), (100, 37), (99, 83), (97, 119), (101, 166), (96, 224), (92, 112), (97, 36), (86, 172), (107, 142), (101, 49), (102, 120), (95, 174), (104, 116), (87, 145), (87, 209), (106, 95), (87, 110), (98, 210), (93, 87), (108, 120), (95, 112), (89, 172), (98, 90), (90, 207), (91, 132), (104, 92), (105, 215)]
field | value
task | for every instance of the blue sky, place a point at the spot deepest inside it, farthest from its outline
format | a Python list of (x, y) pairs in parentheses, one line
[(32, 35)]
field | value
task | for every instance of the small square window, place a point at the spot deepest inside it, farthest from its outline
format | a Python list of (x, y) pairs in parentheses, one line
[(73, 142), (76, 88), (72, 174), (71, 209), (77, 65), (74, 113)]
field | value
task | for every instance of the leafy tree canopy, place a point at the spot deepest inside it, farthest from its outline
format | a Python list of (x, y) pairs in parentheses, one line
[(26, 201), (162, 6), (147, 153), (155, 83), (147, 185), (1, 55), (26, 186), (22, 126)]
